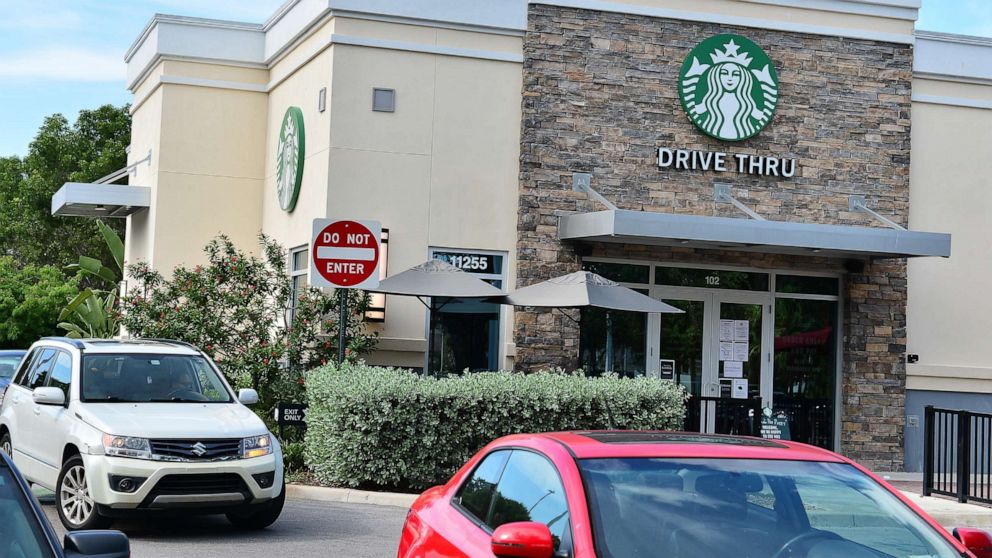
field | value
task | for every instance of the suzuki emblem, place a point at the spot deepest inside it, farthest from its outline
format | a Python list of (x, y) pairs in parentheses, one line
[(199, 449)]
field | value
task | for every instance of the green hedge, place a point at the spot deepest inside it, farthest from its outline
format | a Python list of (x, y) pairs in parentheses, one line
[(384, 427)]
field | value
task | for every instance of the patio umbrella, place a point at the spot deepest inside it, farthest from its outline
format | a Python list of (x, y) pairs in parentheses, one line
[(585, 288), (442, 283)]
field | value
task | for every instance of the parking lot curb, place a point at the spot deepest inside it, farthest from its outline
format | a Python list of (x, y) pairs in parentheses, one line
[(349, 496)]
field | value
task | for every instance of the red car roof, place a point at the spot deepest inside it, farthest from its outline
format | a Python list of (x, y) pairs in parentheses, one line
[(615, 443)]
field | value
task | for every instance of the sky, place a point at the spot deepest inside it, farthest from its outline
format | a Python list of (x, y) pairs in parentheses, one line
[(60, 56)]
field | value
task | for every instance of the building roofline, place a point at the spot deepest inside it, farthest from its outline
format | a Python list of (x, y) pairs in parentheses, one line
[(190, 21)]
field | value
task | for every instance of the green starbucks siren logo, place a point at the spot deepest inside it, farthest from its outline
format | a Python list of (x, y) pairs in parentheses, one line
[(728, 87), (289, 158)]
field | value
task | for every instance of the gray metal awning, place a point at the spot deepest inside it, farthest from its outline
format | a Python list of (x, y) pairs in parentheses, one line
[(77, 199), (723, 233)]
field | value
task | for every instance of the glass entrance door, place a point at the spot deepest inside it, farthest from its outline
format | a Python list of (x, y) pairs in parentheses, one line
[(741, 365), (719, 349)]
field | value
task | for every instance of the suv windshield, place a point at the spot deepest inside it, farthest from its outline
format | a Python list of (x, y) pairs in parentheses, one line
[(142, 378), (21, 535), (693, 508)]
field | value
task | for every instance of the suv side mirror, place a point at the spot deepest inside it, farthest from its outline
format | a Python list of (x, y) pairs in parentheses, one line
[(977, 541), (523, 539), (247, 396), (105, 544), (48, 396)]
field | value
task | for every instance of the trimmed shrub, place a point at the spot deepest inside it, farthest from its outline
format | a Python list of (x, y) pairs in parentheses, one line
[(376, 427)]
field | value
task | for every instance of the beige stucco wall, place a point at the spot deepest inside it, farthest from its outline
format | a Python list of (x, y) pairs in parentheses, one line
[(206, 143), (949, 314)]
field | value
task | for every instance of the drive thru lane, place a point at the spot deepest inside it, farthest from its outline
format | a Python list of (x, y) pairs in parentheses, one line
[(306, 528)]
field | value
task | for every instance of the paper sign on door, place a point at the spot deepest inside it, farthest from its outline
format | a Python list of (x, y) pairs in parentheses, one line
[(740, 351), (726, 330), (739, 389), (733, 369), (726, 350), (741, 330)]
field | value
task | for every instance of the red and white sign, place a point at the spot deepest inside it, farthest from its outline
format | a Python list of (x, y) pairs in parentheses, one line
[(345, 254)]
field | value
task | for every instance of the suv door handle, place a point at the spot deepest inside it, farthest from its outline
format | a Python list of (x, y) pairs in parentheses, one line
[(37, 410)]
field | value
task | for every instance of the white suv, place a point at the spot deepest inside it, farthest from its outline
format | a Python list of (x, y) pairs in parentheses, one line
[(117, 428)]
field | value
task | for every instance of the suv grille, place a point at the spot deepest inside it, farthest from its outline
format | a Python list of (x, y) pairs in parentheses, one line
[(197, 450), (211, 483)]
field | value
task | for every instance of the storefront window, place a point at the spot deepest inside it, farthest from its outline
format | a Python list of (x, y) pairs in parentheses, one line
[(806, 284), (806, 368), (468, 334), (298, 269), (621, 273), (629, 342), (711, 278)]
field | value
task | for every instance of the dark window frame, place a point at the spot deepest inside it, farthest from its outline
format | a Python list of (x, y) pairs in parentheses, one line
[(25, 366), (68, 388), (567, 539), (35, 370)]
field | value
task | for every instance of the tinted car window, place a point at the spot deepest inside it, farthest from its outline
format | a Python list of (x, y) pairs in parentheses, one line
[(39, 369), (61, 374), (22, 373), (476, 494), (21, 535), (531, 490)]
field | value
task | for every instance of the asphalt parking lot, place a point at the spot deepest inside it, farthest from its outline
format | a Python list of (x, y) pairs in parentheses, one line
[(306, 528)]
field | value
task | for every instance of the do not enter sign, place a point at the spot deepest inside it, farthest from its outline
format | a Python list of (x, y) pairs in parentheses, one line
[(345, 254)]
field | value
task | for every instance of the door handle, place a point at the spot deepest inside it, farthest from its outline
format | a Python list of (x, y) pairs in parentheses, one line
[(37, 410)]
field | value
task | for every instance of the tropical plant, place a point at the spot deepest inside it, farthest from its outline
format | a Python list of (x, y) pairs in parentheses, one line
[(93, 312)]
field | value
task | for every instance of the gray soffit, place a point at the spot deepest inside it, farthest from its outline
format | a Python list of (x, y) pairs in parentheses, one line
[(77, 199), (723, 233)]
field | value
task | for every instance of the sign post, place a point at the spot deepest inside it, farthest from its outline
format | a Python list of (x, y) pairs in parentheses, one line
[(344, 255)]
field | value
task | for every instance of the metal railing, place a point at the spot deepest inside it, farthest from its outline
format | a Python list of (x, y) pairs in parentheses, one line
[(957, 454), (741, 417)]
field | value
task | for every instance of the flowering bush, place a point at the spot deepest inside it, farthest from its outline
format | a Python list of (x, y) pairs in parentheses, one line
[(384, 427), (234, 308)]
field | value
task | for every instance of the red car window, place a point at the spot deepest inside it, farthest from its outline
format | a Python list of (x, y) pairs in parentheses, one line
[(476, 495), (531, 490)]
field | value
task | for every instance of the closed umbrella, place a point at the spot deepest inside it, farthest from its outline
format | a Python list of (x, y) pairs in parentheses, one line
[(585, 288), (442, 283)]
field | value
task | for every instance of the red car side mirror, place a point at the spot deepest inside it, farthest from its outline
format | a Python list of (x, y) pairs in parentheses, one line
[(524, 539), (977, 541)]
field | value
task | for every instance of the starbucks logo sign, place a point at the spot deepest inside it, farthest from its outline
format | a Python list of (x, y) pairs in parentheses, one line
[(289, 158), (728, 87)]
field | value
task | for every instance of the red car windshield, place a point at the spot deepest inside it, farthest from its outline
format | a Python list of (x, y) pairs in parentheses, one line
[(696, 508)]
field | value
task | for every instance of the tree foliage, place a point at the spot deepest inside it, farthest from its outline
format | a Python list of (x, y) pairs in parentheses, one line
[(234, 308), (30, 300), (83, 151)]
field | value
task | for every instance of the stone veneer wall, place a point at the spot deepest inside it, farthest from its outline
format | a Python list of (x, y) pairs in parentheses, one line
[(600, 97)]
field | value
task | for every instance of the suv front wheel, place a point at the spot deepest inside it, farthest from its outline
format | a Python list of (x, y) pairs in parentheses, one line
[(261, 516), (76, 507)]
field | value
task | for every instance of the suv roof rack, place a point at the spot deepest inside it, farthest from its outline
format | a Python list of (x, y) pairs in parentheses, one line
[(74, 342), (169, 341)]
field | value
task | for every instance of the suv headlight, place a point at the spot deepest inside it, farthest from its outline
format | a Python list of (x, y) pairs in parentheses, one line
[(256, 446), (126, 446)]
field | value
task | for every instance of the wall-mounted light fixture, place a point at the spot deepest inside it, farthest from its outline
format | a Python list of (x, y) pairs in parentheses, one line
[(322, 99), (376, 311)]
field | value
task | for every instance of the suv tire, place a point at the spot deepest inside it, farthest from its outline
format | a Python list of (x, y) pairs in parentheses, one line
[(6, 446), (76, 507), (261, 516)]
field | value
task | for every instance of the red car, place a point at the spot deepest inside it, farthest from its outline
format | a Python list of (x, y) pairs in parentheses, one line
[(671, 495)]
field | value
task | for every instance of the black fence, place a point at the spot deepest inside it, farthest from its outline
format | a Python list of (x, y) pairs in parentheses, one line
[(957, 454), (740, 417)]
